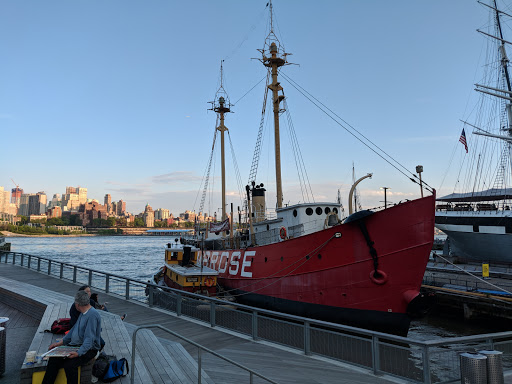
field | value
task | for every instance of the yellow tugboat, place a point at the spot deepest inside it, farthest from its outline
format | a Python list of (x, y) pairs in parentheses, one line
[(182, 271)]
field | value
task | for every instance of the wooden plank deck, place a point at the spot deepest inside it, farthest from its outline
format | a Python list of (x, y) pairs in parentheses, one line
[(279, 363)]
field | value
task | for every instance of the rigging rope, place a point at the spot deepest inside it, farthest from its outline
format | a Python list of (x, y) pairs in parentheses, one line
[(206, 176), (237, 172), (257, 148), (355, 133), (470, 274), (299, 161)]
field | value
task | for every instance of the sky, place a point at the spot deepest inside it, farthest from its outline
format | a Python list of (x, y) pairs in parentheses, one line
[(113, 95)]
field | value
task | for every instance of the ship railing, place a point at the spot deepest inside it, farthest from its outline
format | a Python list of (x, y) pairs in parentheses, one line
[(415, 361), (200, 349)]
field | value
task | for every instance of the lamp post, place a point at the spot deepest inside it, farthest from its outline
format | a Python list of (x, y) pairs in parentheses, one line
[(385, 196), (419, 169)]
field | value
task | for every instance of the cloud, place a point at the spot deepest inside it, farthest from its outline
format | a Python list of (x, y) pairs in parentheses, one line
[(176, 177)]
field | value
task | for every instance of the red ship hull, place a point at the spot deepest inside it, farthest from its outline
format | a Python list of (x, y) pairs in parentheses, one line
[(329, 275)]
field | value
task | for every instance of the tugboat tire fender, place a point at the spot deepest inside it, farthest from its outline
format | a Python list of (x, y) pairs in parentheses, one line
[(378, 277), (282, 233)]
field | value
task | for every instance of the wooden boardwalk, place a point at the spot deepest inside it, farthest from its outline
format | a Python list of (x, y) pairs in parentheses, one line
[(278, 363)]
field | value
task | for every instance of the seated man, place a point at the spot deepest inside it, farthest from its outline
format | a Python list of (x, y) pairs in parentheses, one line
[(86, 334)]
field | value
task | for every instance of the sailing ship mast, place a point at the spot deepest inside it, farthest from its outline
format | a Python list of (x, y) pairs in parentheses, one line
[(274, 58), (221, 106)]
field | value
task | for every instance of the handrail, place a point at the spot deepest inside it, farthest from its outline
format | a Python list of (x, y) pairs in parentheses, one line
[(309, 327), (200, 347)]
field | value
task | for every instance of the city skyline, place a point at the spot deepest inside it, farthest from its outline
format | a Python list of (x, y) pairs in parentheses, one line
[(127, 116)]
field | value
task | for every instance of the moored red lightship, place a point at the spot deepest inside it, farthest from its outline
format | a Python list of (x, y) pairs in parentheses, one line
[(364, 271)]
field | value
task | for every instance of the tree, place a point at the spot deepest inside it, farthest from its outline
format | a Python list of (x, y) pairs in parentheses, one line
[(111, 221), (138, 222)]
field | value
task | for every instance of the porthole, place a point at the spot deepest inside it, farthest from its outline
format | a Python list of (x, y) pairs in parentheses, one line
[(294, 213), (265, 259), (319, 256), (327, 210), (335, 210), (309, 211), (319, 211), (307, 257), (282, 258)]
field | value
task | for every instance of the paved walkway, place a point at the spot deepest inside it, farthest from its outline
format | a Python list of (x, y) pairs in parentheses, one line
[(280, 364)]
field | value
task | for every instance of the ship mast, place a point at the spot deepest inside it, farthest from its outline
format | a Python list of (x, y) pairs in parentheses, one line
[(221, 106), (273, 58)]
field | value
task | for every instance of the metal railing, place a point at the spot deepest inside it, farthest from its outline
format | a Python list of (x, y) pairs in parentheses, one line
[(199, 359), (415, 361)]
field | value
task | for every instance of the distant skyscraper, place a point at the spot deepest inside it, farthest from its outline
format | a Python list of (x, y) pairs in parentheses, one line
[(82, 195), (16, 196), (108, 200), (121, 207), (162, 214), (149, 216)]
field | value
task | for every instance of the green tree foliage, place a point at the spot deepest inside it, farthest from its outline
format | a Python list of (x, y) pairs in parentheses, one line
[(111, 221), (138, 222)]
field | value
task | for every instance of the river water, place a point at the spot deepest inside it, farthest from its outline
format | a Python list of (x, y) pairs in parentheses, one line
[(139, 257)]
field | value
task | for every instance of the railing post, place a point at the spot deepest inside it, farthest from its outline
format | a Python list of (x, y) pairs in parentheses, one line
[(61, 273), (199, 366), (89, 280), (255, 325), (49, 267), (426, 365), (212, 313), (22, 259), (251, 378), (14, 258), (491, 344), (178, 304), (150, 296), (127, 291), (107, 283), (74, 273), (38, 264), (307, 338), (29, 260), (375, 354)]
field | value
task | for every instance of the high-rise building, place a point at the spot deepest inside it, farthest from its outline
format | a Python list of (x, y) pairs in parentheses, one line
[(5, 205), (121, 207), (55, 201), (108, 201), (162, 214), (82, 195), (149, 216), (16, 196), (32, 204)]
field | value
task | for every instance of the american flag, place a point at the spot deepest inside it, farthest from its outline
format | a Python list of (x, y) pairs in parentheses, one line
[(463, 140)]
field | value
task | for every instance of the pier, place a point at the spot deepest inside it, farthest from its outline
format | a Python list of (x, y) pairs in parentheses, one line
[(284, 348)]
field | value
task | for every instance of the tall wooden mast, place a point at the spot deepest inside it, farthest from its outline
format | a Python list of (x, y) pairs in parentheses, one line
[(273, 58), (221, 106)]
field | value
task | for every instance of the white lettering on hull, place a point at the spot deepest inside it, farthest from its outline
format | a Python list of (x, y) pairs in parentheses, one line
[(237, 264)]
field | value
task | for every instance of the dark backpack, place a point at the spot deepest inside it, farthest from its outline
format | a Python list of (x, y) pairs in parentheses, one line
[(60, 326), (107, 368)]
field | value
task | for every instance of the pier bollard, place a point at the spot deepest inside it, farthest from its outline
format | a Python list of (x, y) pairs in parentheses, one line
[(494, 366), (473, 368)]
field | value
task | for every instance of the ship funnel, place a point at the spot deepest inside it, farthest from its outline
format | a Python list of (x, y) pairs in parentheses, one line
[(258, 201)]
